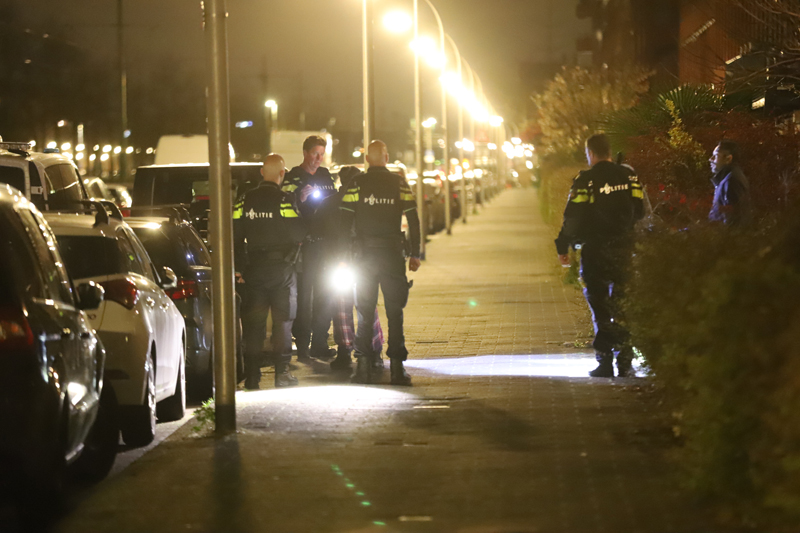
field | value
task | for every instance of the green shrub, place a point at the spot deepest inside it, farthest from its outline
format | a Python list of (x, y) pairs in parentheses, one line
[(715, 314)]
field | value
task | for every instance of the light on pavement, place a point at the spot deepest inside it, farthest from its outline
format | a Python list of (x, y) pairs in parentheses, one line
[(535, 365)]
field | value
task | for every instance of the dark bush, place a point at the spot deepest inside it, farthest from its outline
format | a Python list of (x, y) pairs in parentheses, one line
[(716, 315)]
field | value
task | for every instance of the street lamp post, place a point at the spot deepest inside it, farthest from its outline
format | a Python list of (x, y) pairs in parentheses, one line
[(366, 27), (221, 223), (270, 121), (418, 138), (463, 198)]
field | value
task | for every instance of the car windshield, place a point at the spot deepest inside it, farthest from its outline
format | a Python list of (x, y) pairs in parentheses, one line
[(89, 256), (162, 251), (64, 185), (190, 185), (18, 269)]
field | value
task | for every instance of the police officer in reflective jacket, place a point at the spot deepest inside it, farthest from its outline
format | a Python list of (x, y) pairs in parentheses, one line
[(604, 204), (268, 230), (312, 183), (375, 203)]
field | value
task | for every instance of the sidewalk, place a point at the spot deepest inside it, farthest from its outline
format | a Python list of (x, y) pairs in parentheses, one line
[(500, 433)]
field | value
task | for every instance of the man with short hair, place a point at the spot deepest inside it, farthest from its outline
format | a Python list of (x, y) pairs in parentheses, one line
[(314, 301), (604, 204), (374, 204), (267, 233), (731, 188)]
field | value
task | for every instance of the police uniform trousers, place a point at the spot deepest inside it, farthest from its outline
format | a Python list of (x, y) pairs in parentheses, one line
[(384, 268), (270, 284), (314, 300), (605, 270)]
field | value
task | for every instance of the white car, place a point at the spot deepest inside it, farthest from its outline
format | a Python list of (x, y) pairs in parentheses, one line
[(141, 328)]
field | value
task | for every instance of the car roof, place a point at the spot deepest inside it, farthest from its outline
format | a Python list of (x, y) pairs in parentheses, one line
[(198, 165), (41, 158), (147, 222), (10, 195), (79, 224)]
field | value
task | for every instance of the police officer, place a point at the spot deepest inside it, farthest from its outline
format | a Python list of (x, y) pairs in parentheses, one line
[(312, 183), (374, 203), (604, 204), (268, 230)]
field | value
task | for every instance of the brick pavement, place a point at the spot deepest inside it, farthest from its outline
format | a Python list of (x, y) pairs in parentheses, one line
[(501, 432)]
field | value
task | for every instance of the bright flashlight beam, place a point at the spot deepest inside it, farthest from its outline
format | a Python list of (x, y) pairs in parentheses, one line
[(343, 278), (397, 22)]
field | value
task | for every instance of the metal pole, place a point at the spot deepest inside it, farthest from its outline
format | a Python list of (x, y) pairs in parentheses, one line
[(123, 84), (418, 138), (446, 151), (472, 140), (221, 219), (365, 27), (463, 198)]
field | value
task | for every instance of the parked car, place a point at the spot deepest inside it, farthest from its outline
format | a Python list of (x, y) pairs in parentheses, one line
[(119, 195), (187, 185), (174, 243), (140, 326), (50, 180), (56, 404), (97, 189)]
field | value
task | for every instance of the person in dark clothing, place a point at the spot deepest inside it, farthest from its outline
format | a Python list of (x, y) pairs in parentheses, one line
[(344, 296), (374, 204), (268, 231), (731, 188), (314, 307), (604, 204)]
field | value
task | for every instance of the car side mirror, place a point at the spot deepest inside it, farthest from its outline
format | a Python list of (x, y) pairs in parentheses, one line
[(90, 295), (168, 278)]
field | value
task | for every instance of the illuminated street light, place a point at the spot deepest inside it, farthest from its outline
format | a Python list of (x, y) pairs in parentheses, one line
[(529, 164), (106, 148), (66, 146), (79, 156), (52, 144), (491, 146), (129, 150), (397, 22), (496, 121), (516, 140), (32, 143), (62, 123), (92, 157), (104, 157), (81, 147), (431, 122), (118, 149), (96, 148)]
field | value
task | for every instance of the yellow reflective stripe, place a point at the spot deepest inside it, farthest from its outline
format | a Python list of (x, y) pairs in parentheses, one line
[(289, 187), (238, 211), (637, 193), (346, 209), (406, 197), (581, 199), (289, 212), (410, 209)]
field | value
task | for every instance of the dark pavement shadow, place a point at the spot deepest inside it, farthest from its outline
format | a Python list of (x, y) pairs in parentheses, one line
[(229, 514)]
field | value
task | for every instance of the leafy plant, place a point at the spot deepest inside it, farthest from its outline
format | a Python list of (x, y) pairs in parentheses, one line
[(205, 415)]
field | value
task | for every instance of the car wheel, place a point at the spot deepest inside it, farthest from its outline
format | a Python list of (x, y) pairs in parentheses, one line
[(100, 448), (140, 427), (174, 407)]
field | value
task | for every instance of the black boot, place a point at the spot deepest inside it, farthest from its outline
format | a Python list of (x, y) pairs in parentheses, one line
[(363, 373), (377, 364), (283, 378), (399, 374), (251, 382), (606, 367), (343, 361), (624, 366)]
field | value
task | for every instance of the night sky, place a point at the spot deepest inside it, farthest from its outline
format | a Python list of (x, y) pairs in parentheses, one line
[(312, 48)]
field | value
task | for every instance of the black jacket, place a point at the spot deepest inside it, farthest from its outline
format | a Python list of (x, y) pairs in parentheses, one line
[(604, 204), (265, 220), (375, 202), (731, 197), (322, 182)]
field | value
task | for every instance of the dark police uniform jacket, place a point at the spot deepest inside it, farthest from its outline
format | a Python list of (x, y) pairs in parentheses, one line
[(375, 202), (604, 204), (321, 181), (266, 224)]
